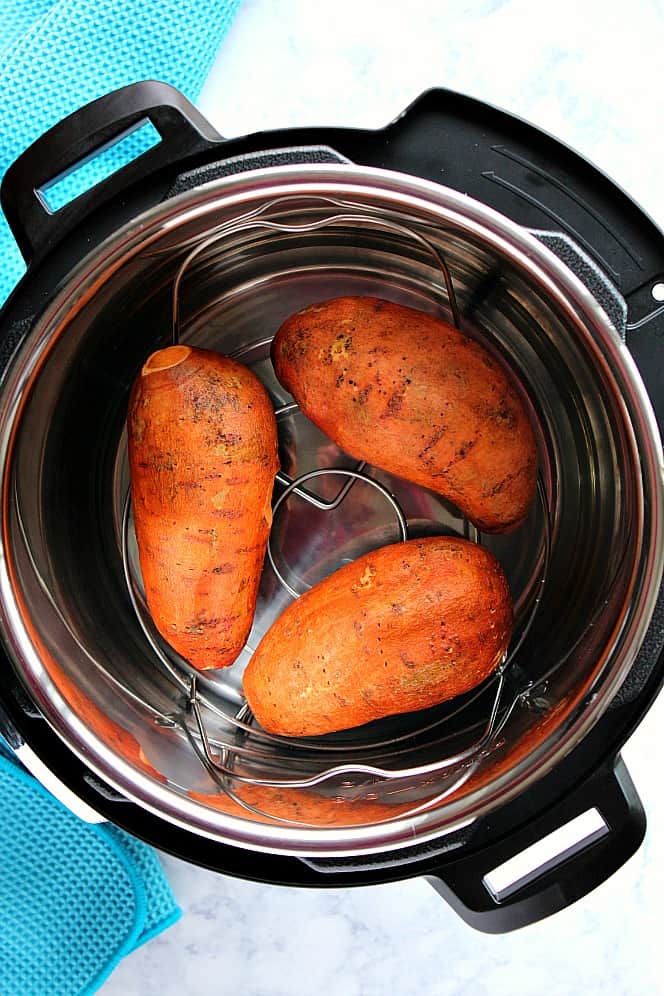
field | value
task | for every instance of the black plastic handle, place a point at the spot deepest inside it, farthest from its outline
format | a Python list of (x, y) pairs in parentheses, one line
[(563, 879), (75, 139)]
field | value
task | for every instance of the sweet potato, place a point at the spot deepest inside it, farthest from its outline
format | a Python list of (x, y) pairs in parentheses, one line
[(400, 629), (202, 456), (409, 393)]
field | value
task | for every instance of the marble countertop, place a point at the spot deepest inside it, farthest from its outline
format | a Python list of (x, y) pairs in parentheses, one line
[(591, 74)]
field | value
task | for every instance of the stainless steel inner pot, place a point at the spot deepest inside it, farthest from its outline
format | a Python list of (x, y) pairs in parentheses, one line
[(584, 569)]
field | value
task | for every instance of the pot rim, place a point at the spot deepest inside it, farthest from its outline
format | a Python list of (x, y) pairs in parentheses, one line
[(445, 207)]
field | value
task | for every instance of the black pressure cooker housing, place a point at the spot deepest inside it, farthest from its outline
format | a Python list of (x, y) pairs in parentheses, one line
[(535, 181)]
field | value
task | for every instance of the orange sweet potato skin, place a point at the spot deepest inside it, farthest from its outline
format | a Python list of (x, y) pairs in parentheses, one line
[(202, 455), (400, 629), (409, 393)]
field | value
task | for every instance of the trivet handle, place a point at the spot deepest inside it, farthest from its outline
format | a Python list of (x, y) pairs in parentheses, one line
[(79, 138), (478, 886)]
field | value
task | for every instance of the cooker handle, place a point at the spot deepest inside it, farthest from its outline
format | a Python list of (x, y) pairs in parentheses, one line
[(27, 757), (479, 886), (81, 136)]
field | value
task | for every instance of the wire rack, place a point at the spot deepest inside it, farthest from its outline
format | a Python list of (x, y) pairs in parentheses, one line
[(247, 755)]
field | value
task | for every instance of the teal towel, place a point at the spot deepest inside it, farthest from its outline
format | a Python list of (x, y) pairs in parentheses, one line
[(56, 55), (74, 898)]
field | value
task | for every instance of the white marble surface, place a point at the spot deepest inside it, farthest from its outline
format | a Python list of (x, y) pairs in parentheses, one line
[(589, 72)]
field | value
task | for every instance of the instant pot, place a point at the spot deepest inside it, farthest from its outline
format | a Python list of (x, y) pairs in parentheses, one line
[(455, 208)]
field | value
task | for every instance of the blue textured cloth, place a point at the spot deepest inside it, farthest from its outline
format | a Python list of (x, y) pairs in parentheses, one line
[(74, 898), (56, 55)]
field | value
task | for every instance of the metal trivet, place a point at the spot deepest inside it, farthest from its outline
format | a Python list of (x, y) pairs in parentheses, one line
[(220, 756)]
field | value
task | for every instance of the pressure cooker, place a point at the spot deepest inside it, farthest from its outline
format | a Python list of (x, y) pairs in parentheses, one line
[(455, 208)]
